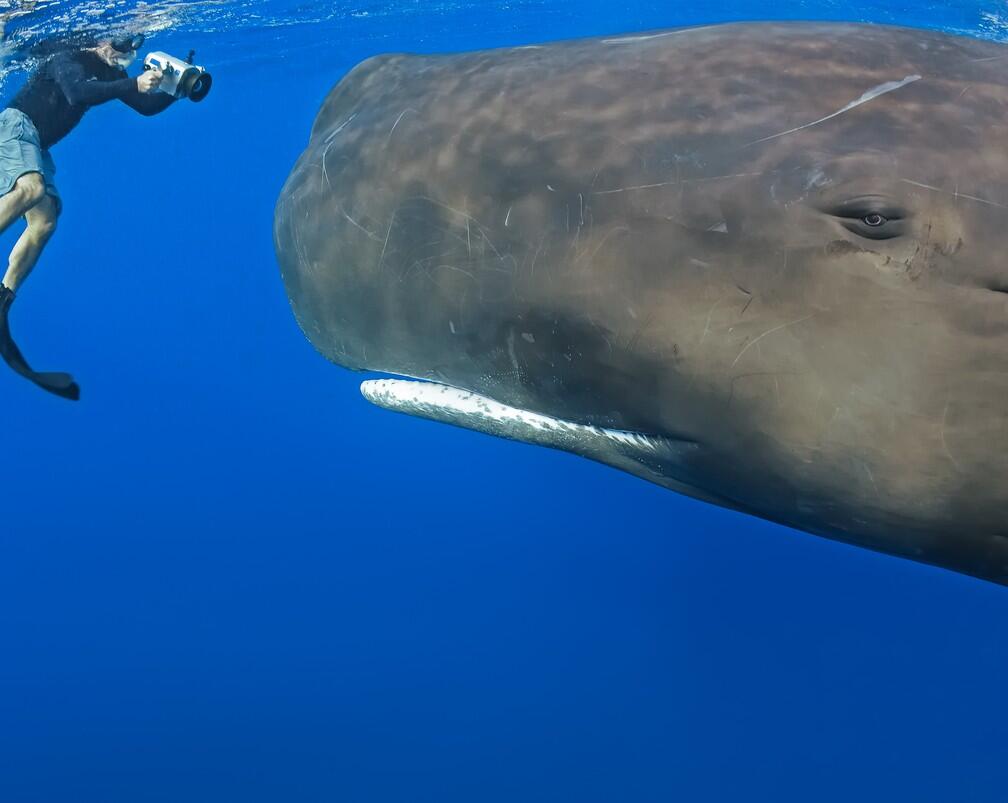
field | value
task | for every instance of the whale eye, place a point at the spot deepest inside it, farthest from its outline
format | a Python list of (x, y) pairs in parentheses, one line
[(872, 217)]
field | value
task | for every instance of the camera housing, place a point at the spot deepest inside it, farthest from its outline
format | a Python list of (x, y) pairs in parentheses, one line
[(180, 78)]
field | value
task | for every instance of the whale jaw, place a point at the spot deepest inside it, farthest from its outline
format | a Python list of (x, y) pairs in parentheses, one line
[(656, 458)]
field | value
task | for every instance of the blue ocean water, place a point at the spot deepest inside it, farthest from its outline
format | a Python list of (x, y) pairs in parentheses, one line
[(225, 577)]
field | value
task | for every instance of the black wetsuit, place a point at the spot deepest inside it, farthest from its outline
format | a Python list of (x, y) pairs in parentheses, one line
[(68, 84)]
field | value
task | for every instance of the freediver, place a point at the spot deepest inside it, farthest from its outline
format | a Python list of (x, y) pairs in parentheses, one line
[(46, 109)]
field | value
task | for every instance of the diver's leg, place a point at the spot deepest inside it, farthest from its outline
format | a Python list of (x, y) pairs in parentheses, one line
[(41, 226), (27, 191)]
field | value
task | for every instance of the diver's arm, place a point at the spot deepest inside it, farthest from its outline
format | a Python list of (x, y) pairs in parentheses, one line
[(79, 91), (144, 97), (147, 104)]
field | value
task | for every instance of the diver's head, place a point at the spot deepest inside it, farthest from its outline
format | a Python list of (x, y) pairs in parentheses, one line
[(120, 52)]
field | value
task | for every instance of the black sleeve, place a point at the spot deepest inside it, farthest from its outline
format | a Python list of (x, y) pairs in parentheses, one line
[(147, 104), (70, 76)]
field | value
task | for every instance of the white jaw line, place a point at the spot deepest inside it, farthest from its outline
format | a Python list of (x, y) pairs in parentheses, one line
[(451, 405)]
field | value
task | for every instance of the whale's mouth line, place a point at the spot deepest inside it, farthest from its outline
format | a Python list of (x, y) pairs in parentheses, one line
[(452, 405), (663, 459)]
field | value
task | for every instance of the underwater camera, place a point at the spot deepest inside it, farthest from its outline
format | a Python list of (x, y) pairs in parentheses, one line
[(183, 79)]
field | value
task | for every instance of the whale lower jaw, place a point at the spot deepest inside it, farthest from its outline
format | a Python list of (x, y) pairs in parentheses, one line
[(655, 458)]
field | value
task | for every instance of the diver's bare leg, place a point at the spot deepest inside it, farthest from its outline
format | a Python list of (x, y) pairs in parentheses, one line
[(28, 248), (26, 192), (41, 217)]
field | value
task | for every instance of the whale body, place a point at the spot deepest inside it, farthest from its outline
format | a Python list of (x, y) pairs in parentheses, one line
[(760, 264)]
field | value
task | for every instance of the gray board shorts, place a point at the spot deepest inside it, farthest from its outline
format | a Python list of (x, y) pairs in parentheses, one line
[(21, 152)]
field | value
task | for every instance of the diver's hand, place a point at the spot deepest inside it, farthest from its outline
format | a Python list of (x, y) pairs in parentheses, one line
[(149, 80)]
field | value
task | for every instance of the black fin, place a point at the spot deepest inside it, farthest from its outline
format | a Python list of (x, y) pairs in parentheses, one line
[(58, 383)]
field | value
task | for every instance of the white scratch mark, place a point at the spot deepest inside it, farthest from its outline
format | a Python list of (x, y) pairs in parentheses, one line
[(603, 241), (457, 270), (709, 314), (393, 128), (871, 94), (626, 40), (507, 217), (673, 183), (957, 193), (381, 259), (871, 477), (370, 234), (325, 174), (536, 255), (945, 445), (341, 126), (479, 226), (923, 186), (638, 187), (328, 145), (756, 340), (490, 243)]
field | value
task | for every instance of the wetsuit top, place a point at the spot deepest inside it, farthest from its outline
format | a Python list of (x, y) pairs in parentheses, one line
[(68, 84)]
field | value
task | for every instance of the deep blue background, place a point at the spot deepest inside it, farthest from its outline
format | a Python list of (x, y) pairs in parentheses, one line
[(223, 576)]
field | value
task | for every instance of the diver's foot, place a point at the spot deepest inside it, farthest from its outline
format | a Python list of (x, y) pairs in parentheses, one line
[(59, 383), (56, 382)]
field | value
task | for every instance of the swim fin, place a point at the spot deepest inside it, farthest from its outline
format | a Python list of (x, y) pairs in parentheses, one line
[(55, 382)]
